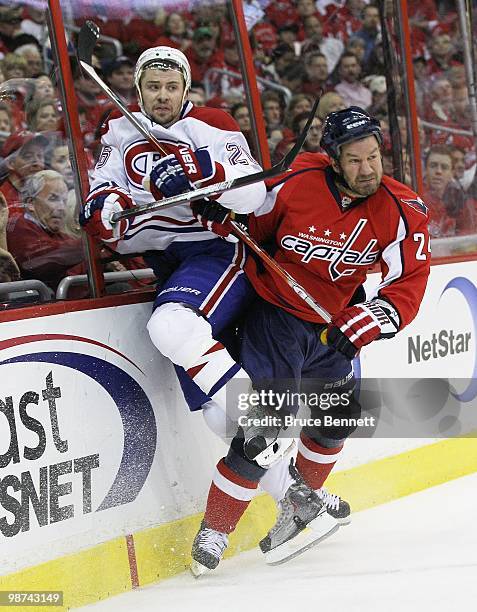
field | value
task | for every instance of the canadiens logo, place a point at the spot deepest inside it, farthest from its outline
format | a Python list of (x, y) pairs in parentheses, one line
[(140, 158), (338, 256), (417, 204)]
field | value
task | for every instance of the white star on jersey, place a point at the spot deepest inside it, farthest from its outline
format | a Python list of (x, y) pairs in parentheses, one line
[(343, 236), (312, 229), (327, 232)]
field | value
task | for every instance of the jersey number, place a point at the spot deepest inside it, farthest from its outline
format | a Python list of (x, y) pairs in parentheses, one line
[(421, 239), (238, 155)]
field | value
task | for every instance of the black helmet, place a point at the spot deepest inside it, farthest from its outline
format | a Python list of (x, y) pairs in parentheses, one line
[(346, 125)]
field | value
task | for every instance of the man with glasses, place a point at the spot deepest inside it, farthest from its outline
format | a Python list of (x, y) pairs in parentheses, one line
[(36, 239)]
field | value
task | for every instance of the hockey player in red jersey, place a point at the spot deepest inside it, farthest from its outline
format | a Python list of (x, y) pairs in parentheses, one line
[(327, 222)]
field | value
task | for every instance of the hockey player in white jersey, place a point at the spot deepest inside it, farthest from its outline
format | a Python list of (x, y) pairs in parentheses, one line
[(202, 285)]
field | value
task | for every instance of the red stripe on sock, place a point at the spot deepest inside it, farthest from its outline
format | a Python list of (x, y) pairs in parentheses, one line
[(234, 477), (223, 512)]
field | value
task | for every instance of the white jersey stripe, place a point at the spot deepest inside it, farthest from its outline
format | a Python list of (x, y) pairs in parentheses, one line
[(392, 257)]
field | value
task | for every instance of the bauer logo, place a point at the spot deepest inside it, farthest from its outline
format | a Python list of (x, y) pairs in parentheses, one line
[(78, 431)]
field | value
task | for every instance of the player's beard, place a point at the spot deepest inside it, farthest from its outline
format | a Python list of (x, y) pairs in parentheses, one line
[(364, 186)]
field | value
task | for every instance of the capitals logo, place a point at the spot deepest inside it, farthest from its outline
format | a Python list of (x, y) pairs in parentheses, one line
[(339, 256)]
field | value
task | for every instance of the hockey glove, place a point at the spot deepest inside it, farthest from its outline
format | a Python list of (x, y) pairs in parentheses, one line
[(176, 173), (95, 217), (213, 217), (354, 327)]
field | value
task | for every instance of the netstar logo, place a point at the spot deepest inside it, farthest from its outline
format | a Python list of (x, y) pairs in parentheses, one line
[(440, 344), (337, 256)]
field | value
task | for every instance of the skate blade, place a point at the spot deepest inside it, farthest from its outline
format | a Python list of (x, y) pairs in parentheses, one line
[(317, 530), (344, 521), (197, 569)]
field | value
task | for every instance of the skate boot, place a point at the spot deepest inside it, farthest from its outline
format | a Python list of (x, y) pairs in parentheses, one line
[(207, 549), (261, 441), (337, 507), (302, 523)]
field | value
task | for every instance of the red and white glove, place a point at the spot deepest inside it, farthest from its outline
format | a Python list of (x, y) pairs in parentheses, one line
[(95, 217), (356, 326), (213, 217)]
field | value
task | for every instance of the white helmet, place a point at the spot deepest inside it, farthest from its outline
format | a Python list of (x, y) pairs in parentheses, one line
[(162, 58)]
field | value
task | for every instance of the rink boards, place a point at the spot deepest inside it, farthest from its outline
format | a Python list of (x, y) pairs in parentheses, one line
[(104, 472)]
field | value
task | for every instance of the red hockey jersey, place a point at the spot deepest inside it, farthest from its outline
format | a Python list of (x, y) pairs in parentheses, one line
[(328, 247)]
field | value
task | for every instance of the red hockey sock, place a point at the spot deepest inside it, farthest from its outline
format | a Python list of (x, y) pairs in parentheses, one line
[(315, 462), (229, 496)]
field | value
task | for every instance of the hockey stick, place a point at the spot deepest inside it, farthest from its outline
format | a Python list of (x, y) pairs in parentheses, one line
[(283, 274), (218, 188), (87, 39)]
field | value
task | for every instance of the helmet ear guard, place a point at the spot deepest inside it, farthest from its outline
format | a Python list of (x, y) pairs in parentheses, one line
[(348, 125)]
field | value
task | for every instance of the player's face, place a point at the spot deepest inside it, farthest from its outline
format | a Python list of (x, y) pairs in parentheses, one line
[(162, 92), (361, 166)]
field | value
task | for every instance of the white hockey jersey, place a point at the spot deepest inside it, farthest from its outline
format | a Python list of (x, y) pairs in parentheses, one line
[(127, 158)]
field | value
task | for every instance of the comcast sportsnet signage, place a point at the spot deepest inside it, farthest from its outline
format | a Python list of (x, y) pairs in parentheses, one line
[(77, 431)]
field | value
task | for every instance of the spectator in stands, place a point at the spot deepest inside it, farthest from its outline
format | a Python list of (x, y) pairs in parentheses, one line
[(312, 142), (316, 73), (43, 115), (370, 31), (35, 23), (119, 75), (11, 35), (272, 109), (241, 115), (8, 268), (43, 88), (458, 163), (442, 52), (175, 33), (203, 53), (36, 239), (282, 56), (57, 158), (72, 227), (13, 66), (450, 213), (329, 103), (293, 77), (34, 62), (353, 92), (379, 104), (5, 122), (300, 103), (346, 20), (357, 47), (288, 34), (331, 47), (24, 154), (196, 94)]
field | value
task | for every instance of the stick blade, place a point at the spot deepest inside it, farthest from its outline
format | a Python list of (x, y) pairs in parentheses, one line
[(87, 39)]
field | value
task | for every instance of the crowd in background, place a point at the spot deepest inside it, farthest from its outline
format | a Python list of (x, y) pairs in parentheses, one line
[(301, 49)]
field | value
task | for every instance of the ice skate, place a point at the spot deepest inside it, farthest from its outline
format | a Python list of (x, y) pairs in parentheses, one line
[(337, 507), (302, 523), (207, 550)]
